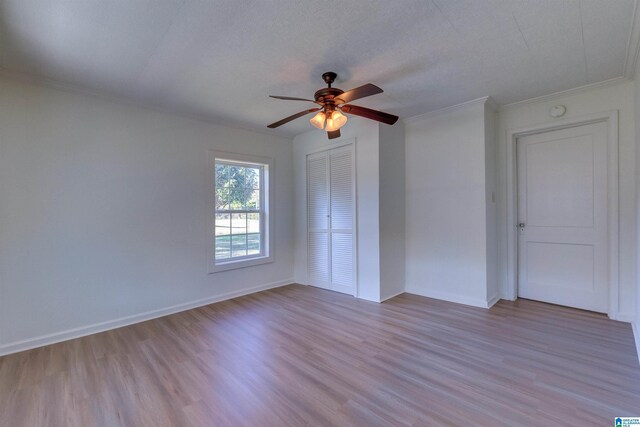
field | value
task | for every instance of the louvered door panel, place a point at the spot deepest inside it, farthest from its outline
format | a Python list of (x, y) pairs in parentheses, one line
[(318, 245), (318, 192), (342, 262), (318, 262), (341, 189)]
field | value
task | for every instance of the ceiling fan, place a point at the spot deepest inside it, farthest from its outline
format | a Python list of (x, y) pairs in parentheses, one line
[(333, 102)]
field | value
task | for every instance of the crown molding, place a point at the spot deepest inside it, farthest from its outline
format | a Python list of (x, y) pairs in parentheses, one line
[(490, 102), (633, 44), (31, 79), (551, 96), (485, 100)]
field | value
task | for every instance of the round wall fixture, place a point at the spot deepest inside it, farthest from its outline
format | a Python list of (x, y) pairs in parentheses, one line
[(557, 111)]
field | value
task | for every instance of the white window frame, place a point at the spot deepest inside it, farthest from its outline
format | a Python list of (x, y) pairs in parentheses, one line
[(266, 210)]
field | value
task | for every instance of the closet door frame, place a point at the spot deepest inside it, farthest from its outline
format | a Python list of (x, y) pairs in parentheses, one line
[(354, 174)]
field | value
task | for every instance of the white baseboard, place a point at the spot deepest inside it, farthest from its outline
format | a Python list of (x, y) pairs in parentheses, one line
[(364, 298), (622, 317), (391, 296), (493, 300), (636, 334), (95, 328), (445, 296), (504, 296)]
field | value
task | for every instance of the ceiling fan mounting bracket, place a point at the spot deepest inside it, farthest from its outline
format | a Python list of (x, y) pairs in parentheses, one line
[(329, 77)]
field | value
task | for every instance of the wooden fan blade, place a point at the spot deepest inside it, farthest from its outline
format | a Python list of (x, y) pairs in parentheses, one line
[(295, 116), (291, 98), (357, 93), (334, 134), (368, 113)]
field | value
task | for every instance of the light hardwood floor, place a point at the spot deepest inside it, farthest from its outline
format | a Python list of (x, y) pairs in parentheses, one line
[(303, 356)]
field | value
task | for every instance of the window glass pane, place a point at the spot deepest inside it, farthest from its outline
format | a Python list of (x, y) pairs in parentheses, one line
[(223, 247), (236, 176), (239, 245), (253, 199), (253, 223), (237, 199), (238, 189), (239, 223), (252, 178), (223, 224), (253, 244), (222, 175), (222, 198)]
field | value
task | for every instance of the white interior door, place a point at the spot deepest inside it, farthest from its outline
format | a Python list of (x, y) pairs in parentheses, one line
[(331, 212), (562, 215)]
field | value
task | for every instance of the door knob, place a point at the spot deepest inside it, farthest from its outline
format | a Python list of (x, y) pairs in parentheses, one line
[(521, 225)]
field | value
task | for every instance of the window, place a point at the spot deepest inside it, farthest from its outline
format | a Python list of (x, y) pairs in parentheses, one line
[(241, 217)]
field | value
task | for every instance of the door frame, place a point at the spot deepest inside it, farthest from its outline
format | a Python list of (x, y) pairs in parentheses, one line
[(350, 142), (512, 135)]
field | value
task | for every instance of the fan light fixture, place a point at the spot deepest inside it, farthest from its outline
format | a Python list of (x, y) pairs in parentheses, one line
[(318, 120), (333, 121), (336, 121)]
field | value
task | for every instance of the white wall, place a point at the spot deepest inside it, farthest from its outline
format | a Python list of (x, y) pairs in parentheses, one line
[(365, 135), (636, 324), (103, 213), (579, 103), (446, 212), (491, 184), (392, 210)]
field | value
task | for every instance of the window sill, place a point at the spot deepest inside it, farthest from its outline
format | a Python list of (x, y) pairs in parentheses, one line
[(233, 265)]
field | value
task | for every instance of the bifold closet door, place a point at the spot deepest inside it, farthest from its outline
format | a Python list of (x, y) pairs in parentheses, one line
[(330, 219)]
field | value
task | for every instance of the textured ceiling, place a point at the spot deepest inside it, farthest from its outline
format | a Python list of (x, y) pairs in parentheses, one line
[(221, 59)]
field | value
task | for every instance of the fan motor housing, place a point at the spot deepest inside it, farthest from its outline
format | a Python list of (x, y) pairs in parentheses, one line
[(327, 94)]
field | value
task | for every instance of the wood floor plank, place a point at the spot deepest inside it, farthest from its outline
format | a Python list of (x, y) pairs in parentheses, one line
[(298, 355)]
